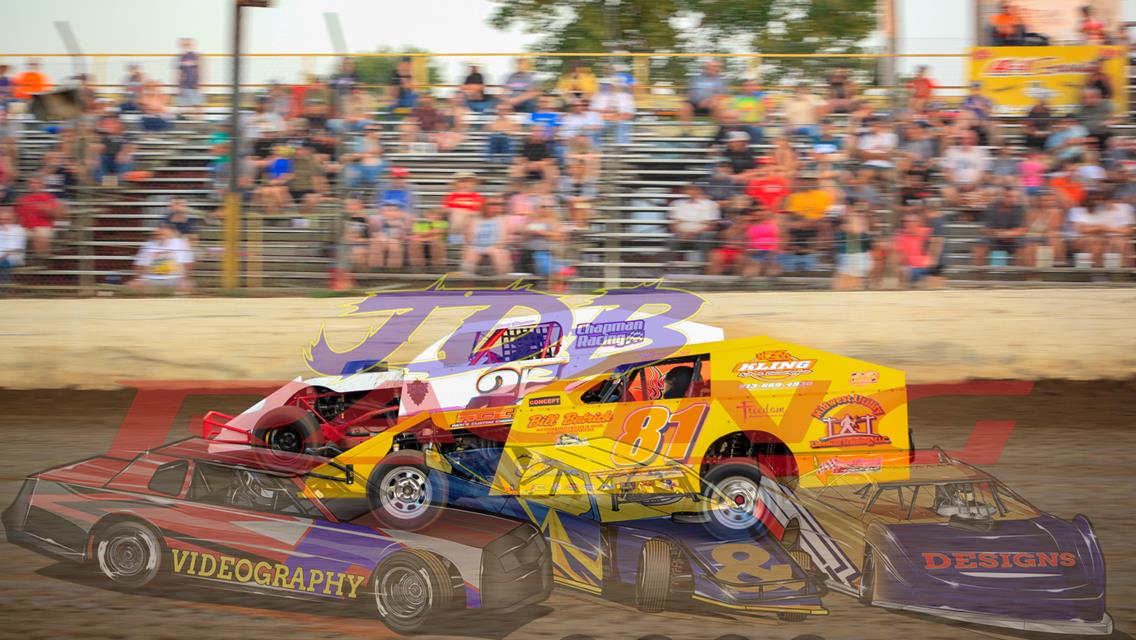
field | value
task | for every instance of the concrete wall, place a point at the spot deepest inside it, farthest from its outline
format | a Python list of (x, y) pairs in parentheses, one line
[(934, 335)]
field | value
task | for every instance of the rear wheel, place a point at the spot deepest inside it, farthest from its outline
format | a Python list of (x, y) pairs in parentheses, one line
[(868, 578), (129, 554), (411, 588), (734, 489), (402, 494), (655, 577), (289, 429)]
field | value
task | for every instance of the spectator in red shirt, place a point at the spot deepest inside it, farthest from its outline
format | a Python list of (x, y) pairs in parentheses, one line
[(769, 188), (38, 210), (461, 203), (922, 89)]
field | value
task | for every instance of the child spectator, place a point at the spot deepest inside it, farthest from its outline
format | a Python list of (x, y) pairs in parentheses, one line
[(615, 106), (485, 238), (462, 203), (164, 261), (13, 243), (428, 239), (389, 231), (1031, 173), (912, 245), (763, 243), (399, 191), (853, 249)]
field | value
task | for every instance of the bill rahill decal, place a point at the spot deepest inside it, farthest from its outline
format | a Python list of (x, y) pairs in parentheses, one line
[(850, 421), (268, 574), (774, 365)]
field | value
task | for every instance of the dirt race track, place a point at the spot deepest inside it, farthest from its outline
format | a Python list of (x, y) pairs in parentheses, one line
[(1069, 452)]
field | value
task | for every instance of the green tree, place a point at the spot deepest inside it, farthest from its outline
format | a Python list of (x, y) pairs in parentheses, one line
[(378, 69), (697, 26)]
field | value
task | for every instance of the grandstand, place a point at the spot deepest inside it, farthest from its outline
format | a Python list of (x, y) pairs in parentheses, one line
[(626, 243)]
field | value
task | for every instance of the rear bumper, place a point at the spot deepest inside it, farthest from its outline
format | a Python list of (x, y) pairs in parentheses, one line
[(1076, 627)]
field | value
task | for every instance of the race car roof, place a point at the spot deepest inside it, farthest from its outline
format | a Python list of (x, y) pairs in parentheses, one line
[(241, 455)]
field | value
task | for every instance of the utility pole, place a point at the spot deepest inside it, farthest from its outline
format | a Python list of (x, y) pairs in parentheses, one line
[(231, 263)]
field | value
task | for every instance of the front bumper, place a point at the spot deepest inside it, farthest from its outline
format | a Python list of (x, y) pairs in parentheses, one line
[(1076, 627)]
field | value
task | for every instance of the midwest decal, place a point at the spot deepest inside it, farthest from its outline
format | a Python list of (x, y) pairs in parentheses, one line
[(267, 574), (850, 421), (998, 560), (774, 365)]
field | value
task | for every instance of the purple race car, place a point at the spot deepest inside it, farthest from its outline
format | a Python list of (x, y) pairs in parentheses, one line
[(946, 540)]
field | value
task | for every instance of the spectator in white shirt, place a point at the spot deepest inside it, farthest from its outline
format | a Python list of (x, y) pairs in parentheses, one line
[(1103, 225), (876, 147), (616, 106), (965, 166), (693, 221), (164, 261), (13, 241), (581, 122)]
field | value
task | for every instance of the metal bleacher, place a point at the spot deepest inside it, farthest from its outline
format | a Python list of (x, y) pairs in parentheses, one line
[(625, 244)]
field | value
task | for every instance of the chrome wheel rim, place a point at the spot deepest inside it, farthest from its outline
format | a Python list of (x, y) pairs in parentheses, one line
[(737, 499), (126, 556), (405, 492), (403, 593)]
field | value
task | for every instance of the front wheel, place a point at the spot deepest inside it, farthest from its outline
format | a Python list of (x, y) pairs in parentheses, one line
[(129, 554), (411, 587), (734, 492), (288, 429), (868, 578), (402, 494), (655, 577)]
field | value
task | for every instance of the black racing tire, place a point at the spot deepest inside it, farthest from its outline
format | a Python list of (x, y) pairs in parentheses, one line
[(655, 577), (412, 588), (868, 575), (403, 493), (129, 554), (733, 490), (289, 430)]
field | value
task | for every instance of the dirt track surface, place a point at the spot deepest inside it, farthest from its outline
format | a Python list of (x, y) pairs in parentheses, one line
[(1069, 452), (932, 335)]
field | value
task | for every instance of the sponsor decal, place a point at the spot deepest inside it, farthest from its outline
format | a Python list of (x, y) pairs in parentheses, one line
[(546, 401), (203, 564), (544, 419), (845, 466), (756, 410), (591, 335), (417, 389), (588, 417), (570, 440), (791, 384), (851, 422), (774, 365), (998, 560), (864, 377), (1015, 78), (482, 417)]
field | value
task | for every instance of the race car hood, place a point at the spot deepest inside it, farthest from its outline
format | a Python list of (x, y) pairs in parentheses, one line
[(745, 569), (1030, 568)]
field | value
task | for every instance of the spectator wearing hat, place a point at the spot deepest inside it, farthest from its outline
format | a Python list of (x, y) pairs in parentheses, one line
[(743, 162), (399, 191), (615, 106), (164, 261), (463, 202), (390, 231), (31, 82)]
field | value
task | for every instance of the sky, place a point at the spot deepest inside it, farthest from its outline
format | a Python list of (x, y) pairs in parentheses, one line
[(451, 26)]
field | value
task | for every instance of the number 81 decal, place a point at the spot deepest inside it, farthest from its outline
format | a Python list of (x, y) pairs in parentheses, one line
[(649, 432)]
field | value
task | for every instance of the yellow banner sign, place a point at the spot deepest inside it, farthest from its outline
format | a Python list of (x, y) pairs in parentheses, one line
[(1015, 78)]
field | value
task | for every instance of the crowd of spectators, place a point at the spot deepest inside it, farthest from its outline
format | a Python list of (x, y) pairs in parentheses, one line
[(816, 178)]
